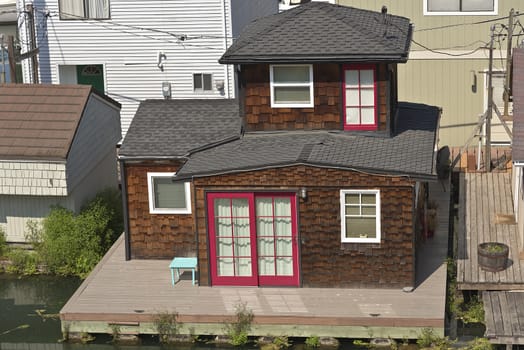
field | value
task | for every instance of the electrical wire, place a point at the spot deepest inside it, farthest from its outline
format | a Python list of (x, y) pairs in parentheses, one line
[(467, 24)]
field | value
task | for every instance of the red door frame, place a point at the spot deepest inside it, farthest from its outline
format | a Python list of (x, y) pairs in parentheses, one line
[(255, 279)]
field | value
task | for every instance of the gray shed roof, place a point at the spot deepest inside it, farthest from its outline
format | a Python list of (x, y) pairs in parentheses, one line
[(410, 152), (173, 128), (322, 32)]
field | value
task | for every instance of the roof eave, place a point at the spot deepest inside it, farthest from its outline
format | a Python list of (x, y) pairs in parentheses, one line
[(314, 59)]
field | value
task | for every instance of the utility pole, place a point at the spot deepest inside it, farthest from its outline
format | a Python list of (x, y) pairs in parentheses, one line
[(507, 81), (12, 60), (30, 11), (489, 112)]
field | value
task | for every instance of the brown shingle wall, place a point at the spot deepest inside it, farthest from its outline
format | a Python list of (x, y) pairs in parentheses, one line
[(328, 107), (155, 235), (325, 261)]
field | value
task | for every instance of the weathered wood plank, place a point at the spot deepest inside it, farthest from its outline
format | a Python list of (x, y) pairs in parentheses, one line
[(513, 313), (497, 314), (462, 232), (488, 314)]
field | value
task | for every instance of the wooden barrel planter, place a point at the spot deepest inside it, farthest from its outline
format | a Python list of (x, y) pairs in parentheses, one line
[(493, 256)]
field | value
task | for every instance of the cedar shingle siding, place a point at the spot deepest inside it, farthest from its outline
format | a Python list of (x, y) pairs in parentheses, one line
[(324, 260), (327, 114), (160, 236)]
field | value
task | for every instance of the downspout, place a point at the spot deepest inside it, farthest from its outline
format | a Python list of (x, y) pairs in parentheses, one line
[(123, 182), (227, 66), (196, 228), (413, 237)]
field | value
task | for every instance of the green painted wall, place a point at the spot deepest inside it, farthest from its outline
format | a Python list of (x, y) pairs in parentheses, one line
[(443, 80)]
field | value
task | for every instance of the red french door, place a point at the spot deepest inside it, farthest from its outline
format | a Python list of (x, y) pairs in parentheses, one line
[(253, 239)]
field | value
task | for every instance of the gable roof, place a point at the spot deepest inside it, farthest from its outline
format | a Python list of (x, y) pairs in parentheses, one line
[(518, 105), (39, 122), (411, 151), (322, 32), (173, 128)]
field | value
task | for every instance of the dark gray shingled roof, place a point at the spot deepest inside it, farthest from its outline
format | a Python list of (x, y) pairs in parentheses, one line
[(322, 32), (410, 152), (173, 128)]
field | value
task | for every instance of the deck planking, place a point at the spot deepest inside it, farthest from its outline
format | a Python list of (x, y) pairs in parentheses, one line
[(504, 316), (482, 197), (134, 292)]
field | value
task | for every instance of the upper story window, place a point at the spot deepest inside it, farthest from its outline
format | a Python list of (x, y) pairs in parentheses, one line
[(360, 98), (460, 7), (84, 9), (360, 216), (166, 196), (202, 82), (291, 85)]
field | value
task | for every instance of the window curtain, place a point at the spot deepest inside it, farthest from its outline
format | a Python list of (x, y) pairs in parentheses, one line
[(72, 9), (98, 8), (274, 236)]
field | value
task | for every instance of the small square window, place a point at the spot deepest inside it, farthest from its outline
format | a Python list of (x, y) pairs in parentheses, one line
[(360, 216), (291, 85), (202, 82), (167, 196)]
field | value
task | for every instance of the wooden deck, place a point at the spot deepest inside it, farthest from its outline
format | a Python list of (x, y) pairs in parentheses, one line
[(485, 215), (130, 294), (504, 317)]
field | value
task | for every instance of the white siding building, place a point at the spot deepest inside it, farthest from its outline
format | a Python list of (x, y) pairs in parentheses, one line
[(135, 50)]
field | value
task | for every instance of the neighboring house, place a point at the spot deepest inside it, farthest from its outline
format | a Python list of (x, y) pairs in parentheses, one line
[(315, 177), (8, 18), (137, 50), (450, 68), (57, 147), (284, 5), (517, 151)]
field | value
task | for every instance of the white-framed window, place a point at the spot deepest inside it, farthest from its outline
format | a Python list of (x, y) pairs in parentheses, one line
[(291, 85), (460, 7), (84, 9), (167, 196), (360, 216), (202, 82)]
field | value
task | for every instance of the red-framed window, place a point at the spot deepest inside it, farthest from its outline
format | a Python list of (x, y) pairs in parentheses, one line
[(253, 239), (360, 97)]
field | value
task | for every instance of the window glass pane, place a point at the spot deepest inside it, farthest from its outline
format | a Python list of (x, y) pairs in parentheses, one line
[(291, 94), (243, 266), (368, 198), (266, 246), (283, 226), (265, 226), (360, 227), (367, 97), (282, 206), (368, 115), (285, 266), (366, 78), (369, 211), (71, 9), (352, 210), (240, 207), (225, 247), (352, 198), (207, 82), (225, 267), (478, 5), (352, 116), (284, 247), (352, 98), (241, 227), (352, 78), (97, 8), (223, 227), (243, 247), (291, 74), (266, 266), (169, 194), (197, 81), (444, 5)]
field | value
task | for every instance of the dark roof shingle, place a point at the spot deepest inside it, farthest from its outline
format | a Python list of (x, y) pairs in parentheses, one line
[(411, 151), (322, 32), (39, 121), (173, 128)]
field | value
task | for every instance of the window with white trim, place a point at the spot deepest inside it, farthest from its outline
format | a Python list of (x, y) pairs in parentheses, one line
[(360, 97), (291, 85), (360, 216), (167, 196), (84, 9), (460, 7), (202, 82)]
